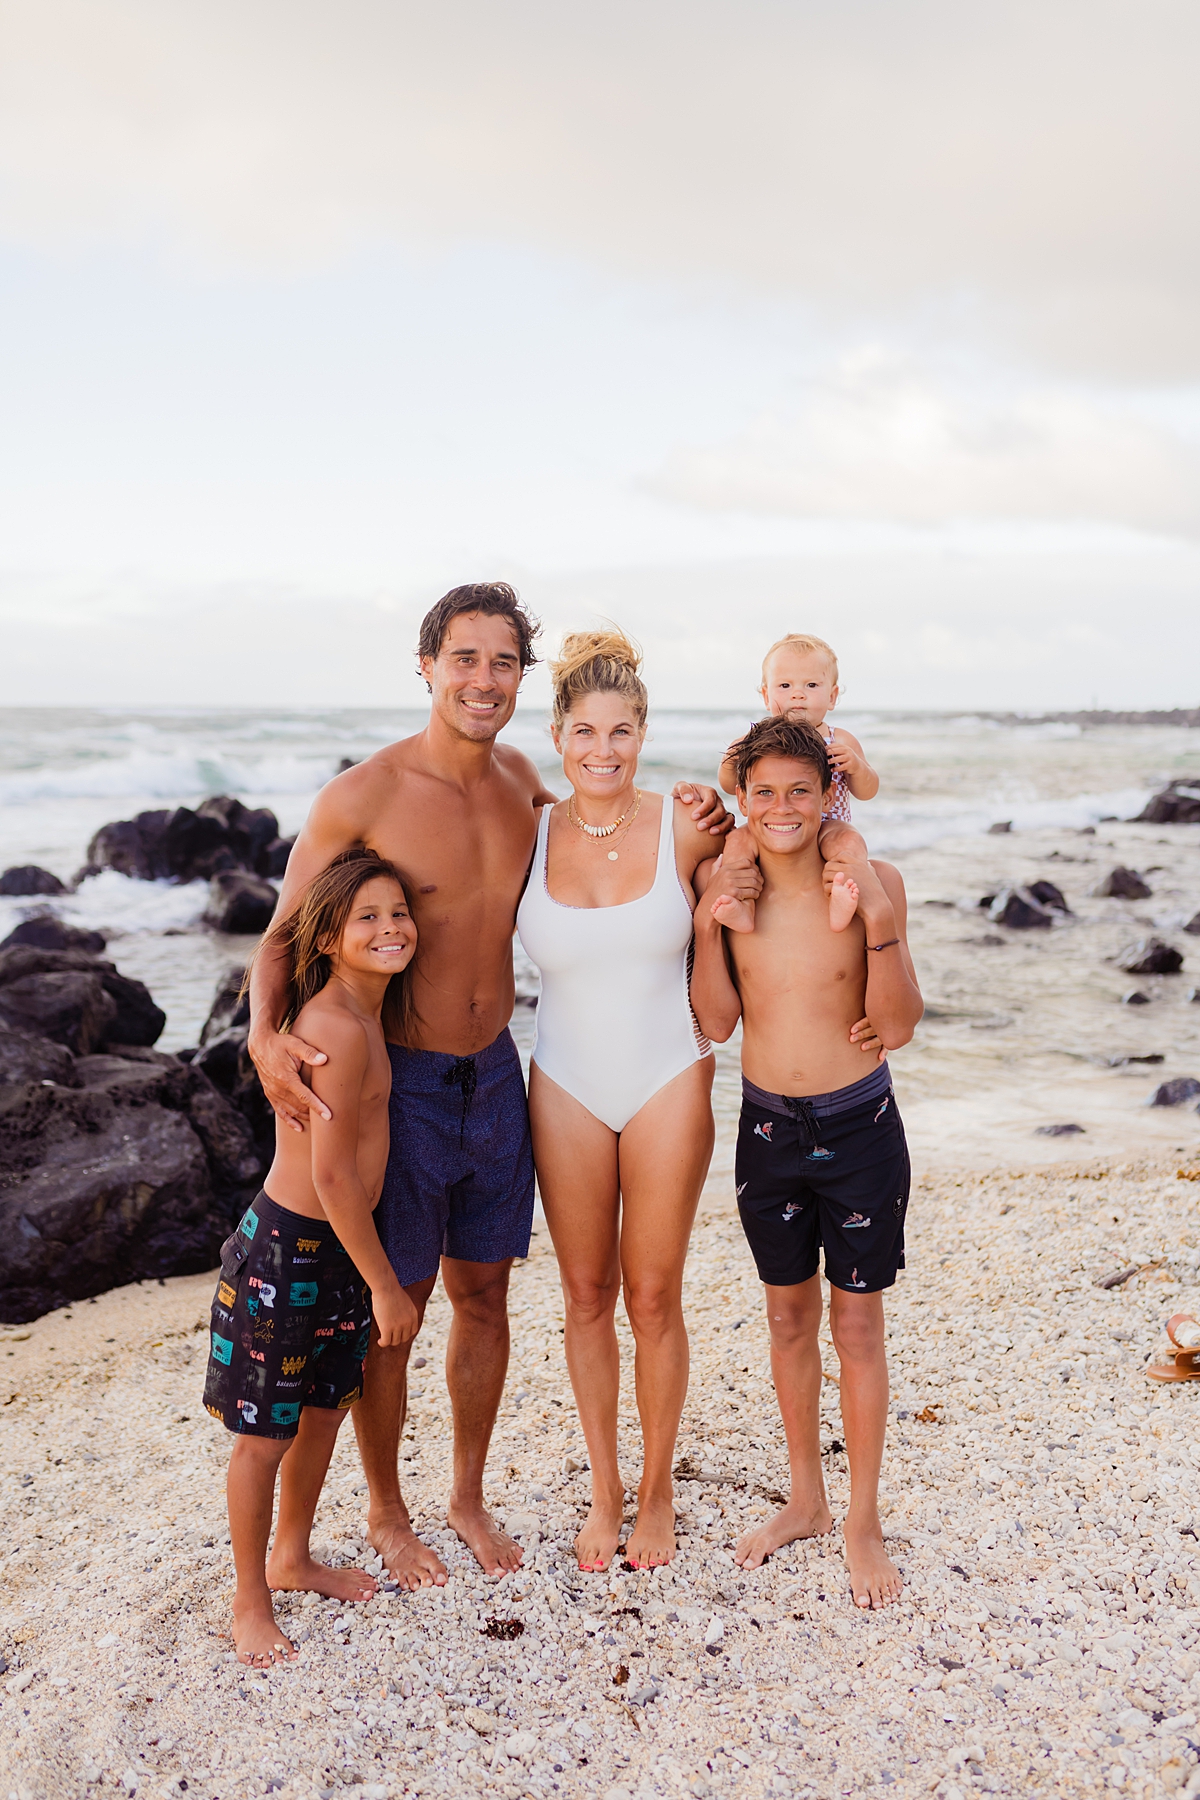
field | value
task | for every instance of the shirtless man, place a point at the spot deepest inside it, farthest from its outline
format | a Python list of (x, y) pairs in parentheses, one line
[(821, 1157), (457, 812)]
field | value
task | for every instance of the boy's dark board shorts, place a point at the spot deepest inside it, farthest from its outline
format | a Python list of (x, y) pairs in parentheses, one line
[(291, 1321), (459, 1178), (828, 1172)]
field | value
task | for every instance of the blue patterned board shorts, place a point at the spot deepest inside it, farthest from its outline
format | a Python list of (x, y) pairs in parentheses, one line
[(827, 1173), (291, 1321), (459, 1178)]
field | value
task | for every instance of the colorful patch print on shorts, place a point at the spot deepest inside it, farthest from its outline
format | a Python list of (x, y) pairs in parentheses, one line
[(882, 1109), (308, 1245), (225, 1294), (302, 1293), (250, 1222), (790, 1211), (347, 1400), (285, 1412), (854, 1282), (764, 1131), (855, 1222), (249, 1411), (292, 1365), (818, 1153), (222, 1349)]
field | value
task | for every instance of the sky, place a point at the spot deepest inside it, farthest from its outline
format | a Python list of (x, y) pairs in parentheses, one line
[(876, 318)]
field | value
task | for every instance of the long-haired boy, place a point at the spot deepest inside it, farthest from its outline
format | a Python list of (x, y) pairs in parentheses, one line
[(303, 1272)]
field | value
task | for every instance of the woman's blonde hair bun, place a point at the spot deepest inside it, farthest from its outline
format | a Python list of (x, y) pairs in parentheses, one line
[(597, 662)]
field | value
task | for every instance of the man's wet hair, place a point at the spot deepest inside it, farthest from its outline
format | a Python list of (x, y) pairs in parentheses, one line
[(496, 598), (777, 736)]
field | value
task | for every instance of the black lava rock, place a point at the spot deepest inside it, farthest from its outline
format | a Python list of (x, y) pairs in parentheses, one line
[(76, 999), (1057, 1130), (1177, 804), (1020, 910), (1135, 997), (239, 902), (28, 879), (47, 932), (230, 1007), (225, 1060), (25, 1057), (274, 859), (112, 1169), (1124, 884), (1046, 894), (188, 845), (1000, 828), (1175, 1093), (1152, 957), (1193, 926)]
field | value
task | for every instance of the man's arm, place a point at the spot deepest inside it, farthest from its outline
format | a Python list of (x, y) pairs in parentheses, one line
[(893, 1000), (345, 1200), (332, 826), (715, 999)]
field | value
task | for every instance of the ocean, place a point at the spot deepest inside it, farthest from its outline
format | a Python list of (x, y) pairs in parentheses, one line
[(64, 772)]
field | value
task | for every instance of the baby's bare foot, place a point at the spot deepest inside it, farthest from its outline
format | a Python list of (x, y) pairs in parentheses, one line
[(493, 1549), (599, 1535), (652, 1541), (409, 1562), (798, 1519), (875, 1581), (256, 1637), (734, 915), (843, 901), (311, 1577)]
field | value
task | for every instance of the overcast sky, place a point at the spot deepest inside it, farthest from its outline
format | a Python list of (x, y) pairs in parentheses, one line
[(873, 317)]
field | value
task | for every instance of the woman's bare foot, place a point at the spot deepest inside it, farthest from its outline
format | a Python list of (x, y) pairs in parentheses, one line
[(843, 901), (493, 1549), (256, 1637), (310, 1577), (410, 1563), (734, 915), (652, 1541), (875, 1581), (600, 1534), (798, 1519)]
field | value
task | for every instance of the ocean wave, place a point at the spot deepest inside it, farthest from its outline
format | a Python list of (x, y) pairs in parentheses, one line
[(119, 905), (175, 779), (889, 830)]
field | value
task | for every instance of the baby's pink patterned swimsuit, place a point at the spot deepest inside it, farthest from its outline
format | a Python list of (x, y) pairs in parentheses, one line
[(839, 805)]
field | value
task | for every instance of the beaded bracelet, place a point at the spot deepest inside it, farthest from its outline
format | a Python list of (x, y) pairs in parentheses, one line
[(886, 946)]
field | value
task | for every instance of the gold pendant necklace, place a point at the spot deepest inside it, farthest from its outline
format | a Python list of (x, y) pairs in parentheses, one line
[(598, 832)]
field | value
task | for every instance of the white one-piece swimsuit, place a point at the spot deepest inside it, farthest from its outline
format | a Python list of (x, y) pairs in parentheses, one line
[(614, 1022)]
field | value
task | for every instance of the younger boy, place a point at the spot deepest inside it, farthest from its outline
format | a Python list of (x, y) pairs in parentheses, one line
[(800, 683), (821, 1159), (300, 1276)]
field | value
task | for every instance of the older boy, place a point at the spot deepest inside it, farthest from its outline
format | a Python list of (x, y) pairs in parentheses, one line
[(821, 1160)]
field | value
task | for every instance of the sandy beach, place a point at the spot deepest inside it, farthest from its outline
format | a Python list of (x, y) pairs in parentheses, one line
[(1040, 1494)]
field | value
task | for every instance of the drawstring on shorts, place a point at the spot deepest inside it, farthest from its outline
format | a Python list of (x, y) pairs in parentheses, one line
[(463, 1075), (805, 1115)]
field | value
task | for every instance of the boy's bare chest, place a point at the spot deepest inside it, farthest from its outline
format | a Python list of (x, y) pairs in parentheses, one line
[(792, 953)]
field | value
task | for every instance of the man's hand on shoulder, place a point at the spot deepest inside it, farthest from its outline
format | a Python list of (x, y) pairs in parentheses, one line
[(708, 809), (279, 1056)]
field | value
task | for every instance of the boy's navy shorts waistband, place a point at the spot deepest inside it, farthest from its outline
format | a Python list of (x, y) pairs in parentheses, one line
[(821, 1106)]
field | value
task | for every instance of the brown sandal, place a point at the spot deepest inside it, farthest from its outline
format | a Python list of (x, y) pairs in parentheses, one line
[(1183, 1329)]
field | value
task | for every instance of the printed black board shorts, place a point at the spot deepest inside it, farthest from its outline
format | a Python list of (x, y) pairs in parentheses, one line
[(831, 1173), (291, 1321)]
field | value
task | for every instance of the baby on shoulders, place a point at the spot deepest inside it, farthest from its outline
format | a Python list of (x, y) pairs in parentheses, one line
[(800, 684)]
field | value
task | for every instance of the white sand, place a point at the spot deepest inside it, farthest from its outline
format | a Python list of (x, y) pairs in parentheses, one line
[(1044, 1515)]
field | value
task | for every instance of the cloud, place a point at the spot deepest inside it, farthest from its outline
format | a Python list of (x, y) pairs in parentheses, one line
[(1024, 170), (881, 439)]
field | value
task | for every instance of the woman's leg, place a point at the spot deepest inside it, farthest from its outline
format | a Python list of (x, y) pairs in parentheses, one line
[(576, 1160), (664, 1156)]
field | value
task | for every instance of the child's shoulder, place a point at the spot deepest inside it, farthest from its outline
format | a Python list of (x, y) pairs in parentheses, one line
[(327, 1021)]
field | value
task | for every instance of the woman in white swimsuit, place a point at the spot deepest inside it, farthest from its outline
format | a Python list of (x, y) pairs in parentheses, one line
[(619, 1091)]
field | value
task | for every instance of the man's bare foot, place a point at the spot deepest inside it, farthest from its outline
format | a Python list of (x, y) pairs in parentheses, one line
[(843, 901), (798, 1519), (734, 915), (256, 1637), (493, 1549), (312, 1577), (599, 1535), (652, 1541), (875, 1581), (410, 1563)]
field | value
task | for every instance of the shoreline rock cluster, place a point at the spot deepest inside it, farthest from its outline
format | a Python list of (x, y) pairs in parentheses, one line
[(117, 1161)]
